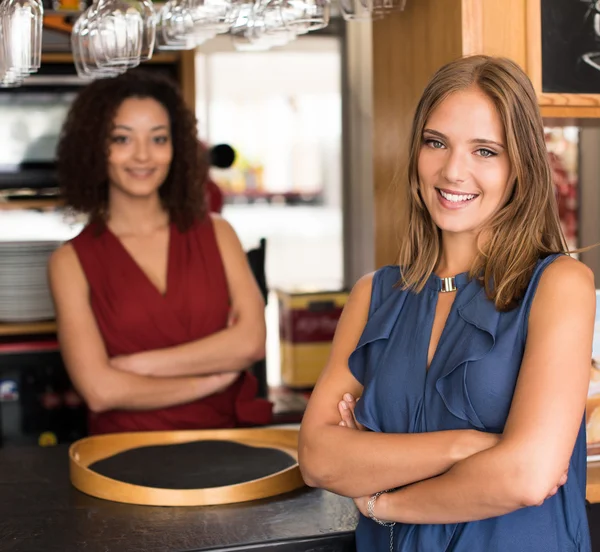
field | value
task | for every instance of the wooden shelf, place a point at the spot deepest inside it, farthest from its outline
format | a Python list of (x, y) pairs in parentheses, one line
[(50, 203), (67, 57), (30, 328), (576, 115), (593, 482)]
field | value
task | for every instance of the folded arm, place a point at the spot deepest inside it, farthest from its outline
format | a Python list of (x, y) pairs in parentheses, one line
[(234, 348), (356, 463), (543, 423), (102, 386)]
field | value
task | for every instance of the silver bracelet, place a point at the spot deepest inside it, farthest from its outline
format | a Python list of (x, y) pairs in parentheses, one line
[(371, 505)]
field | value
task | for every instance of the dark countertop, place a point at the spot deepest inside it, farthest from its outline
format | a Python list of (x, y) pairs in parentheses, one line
[(41, 512)]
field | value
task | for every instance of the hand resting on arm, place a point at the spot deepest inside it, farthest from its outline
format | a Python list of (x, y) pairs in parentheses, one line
[(235, 347), (101, 385), (360, 463)]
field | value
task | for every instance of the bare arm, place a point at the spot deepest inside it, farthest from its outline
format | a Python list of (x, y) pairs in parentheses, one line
[(84, 354), (356, 463), (543, 423), (234, 348)]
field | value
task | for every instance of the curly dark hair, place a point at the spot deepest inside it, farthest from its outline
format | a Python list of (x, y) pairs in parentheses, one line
[(82, 151)]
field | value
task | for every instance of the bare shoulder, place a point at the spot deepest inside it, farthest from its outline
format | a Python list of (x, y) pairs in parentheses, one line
[(357, 306), (566, 288), (220, 224), (363, 287), (216, 218), (568, 277), (227, 237), (63, 258), (64, 267)]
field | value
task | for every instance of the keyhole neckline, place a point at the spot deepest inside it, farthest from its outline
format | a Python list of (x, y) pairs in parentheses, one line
[(435, 283)]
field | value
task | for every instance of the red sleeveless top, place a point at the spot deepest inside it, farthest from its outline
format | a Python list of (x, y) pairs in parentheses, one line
[(133, 316)]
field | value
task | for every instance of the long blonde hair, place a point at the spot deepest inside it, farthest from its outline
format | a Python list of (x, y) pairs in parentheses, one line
[(527, 228)]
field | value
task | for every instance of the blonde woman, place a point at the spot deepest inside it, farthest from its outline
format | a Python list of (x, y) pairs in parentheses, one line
[(470, 358)]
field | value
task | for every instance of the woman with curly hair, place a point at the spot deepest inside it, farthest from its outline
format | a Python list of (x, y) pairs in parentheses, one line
[(158, 312)]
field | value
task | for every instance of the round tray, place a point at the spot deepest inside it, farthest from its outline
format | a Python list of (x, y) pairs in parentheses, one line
[(86, 451)]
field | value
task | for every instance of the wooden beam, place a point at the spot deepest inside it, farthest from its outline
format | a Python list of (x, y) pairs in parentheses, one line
[(408, 47), (187, 77)]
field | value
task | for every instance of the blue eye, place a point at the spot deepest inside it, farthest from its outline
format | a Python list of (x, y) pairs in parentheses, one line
[(486, 153), (435, 144)]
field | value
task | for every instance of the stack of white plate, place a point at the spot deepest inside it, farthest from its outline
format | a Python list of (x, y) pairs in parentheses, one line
[(27, 239), (24, 293)]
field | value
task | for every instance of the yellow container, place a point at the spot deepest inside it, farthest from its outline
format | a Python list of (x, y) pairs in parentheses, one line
[(307, 323)]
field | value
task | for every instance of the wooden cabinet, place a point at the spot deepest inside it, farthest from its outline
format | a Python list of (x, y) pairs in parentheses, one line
[(550, 46), (408, 47), (560, 36)]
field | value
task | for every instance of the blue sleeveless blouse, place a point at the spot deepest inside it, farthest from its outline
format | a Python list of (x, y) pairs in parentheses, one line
[(469, 385)]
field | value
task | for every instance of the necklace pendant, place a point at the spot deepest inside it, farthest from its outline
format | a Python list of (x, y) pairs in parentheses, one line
[(447, 285)]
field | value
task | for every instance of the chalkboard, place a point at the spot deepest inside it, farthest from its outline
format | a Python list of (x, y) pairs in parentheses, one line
[(570, 46)]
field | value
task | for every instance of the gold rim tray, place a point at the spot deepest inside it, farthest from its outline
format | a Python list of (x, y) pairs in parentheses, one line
[(86, 451)]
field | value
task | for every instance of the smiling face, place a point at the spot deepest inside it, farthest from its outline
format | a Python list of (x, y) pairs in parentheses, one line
[(464, 171), (140, 148)]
